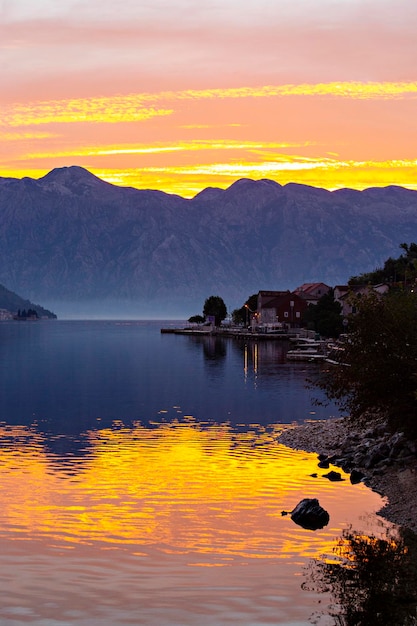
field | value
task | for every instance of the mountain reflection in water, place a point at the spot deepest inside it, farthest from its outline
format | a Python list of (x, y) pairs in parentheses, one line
[(69, 377)]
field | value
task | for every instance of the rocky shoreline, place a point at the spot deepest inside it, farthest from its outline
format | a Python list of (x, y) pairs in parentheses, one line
[(385, 462)]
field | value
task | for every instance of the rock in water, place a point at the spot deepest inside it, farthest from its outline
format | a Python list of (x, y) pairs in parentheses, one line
[(310, 515), (333, 476)]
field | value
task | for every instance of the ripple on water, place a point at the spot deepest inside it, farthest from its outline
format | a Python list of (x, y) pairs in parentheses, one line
[(166, 523)]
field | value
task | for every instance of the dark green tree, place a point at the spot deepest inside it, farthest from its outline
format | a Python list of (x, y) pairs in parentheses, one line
[(325, 316), (196, 319), (401, 270), (379, 370), (240, 316), (214, 305)]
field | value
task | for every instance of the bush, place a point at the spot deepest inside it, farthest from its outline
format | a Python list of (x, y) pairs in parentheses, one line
[(379, 370)]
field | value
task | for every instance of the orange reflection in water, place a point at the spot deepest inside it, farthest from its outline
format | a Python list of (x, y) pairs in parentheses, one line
[(211, 493)]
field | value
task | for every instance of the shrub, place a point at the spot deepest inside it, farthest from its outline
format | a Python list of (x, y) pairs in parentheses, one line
[(379, 370)]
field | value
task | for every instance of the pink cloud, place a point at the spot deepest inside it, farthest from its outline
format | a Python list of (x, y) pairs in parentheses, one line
[(213, 44)]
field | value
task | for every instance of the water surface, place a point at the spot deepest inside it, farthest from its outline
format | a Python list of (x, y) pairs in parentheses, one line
[(142, 481), (67, 375)]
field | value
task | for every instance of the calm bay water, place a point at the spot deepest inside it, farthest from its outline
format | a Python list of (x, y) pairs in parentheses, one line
[(74, 373), (142, 482)]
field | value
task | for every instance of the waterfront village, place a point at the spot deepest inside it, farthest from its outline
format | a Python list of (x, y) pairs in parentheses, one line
[(376, 441), (283, 315)]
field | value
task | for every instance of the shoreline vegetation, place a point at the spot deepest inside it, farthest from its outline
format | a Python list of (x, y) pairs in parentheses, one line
[(371, 454), (13, 306)]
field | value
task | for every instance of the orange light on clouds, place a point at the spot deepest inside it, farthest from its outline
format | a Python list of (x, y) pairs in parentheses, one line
[(184, 158), (131, 107), (166, 98)]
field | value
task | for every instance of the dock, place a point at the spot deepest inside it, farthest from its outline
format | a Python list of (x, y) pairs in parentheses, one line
[(237, 333)]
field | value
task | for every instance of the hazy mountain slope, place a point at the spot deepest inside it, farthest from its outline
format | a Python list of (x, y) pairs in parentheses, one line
[(13, 303), (70, 237)]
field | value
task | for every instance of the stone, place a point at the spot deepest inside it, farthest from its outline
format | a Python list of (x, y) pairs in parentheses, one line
[(310, 515), (333, 476), (323, 464), (356, 476), (344, 440), (346, 465)]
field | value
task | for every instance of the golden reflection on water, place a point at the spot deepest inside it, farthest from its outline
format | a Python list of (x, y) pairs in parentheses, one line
[(210, 492), (170, 524)]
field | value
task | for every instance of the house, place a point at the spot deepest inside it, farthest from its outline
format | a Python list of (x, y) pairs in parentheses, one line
[(312, 292), (5, 314), (343, 293), (282, 307)]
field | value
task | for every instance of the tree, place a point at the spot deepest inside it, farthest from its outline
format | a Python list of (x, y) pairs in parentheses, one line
[(30, 313), (240, 316), (325, 316), (215, 306), (403, 269), (196, 319), (379, 370)]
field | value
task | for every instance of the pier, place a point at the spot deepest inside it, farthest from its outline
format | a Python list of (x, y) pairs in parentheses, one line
[(241, 333)]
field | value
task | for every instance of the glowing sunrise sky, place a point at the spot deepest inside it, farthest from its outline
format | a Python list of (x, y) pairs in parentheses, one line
[(179, 95)]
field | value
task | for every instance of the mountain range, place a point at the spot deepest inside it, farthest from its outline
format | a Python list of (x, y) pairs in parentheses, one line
[(85, 247)]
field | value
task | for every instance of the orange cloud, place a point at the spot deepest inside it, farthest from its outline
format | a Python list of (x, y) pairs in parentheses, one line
[(183, 146), (357, 90), (334, 134), (91, 110), (328, 173), (131, 107), (23, 136)]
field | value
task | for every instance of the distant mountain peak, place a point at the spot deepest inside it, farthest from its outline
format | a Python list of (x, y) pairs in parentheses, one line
[(209, 193), (72, 175), (250, 182)]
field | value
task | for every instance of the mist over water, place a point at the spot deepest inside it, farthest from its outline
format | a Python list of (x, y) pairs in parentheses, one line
[(122, 310)]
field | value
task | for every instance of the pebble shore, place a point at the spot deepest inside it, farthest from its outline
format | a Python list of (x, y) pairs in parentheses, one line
[(395, 481)]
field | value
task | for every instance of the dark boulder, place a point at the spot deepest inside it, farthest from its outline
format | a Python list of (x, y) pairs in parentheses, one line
[(333, 476), (323, 464), (356, 476), (310, 515)]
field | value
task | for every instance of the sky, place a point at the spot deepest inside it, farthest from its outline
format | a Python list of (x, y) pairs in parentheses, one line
[(180, 95)]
